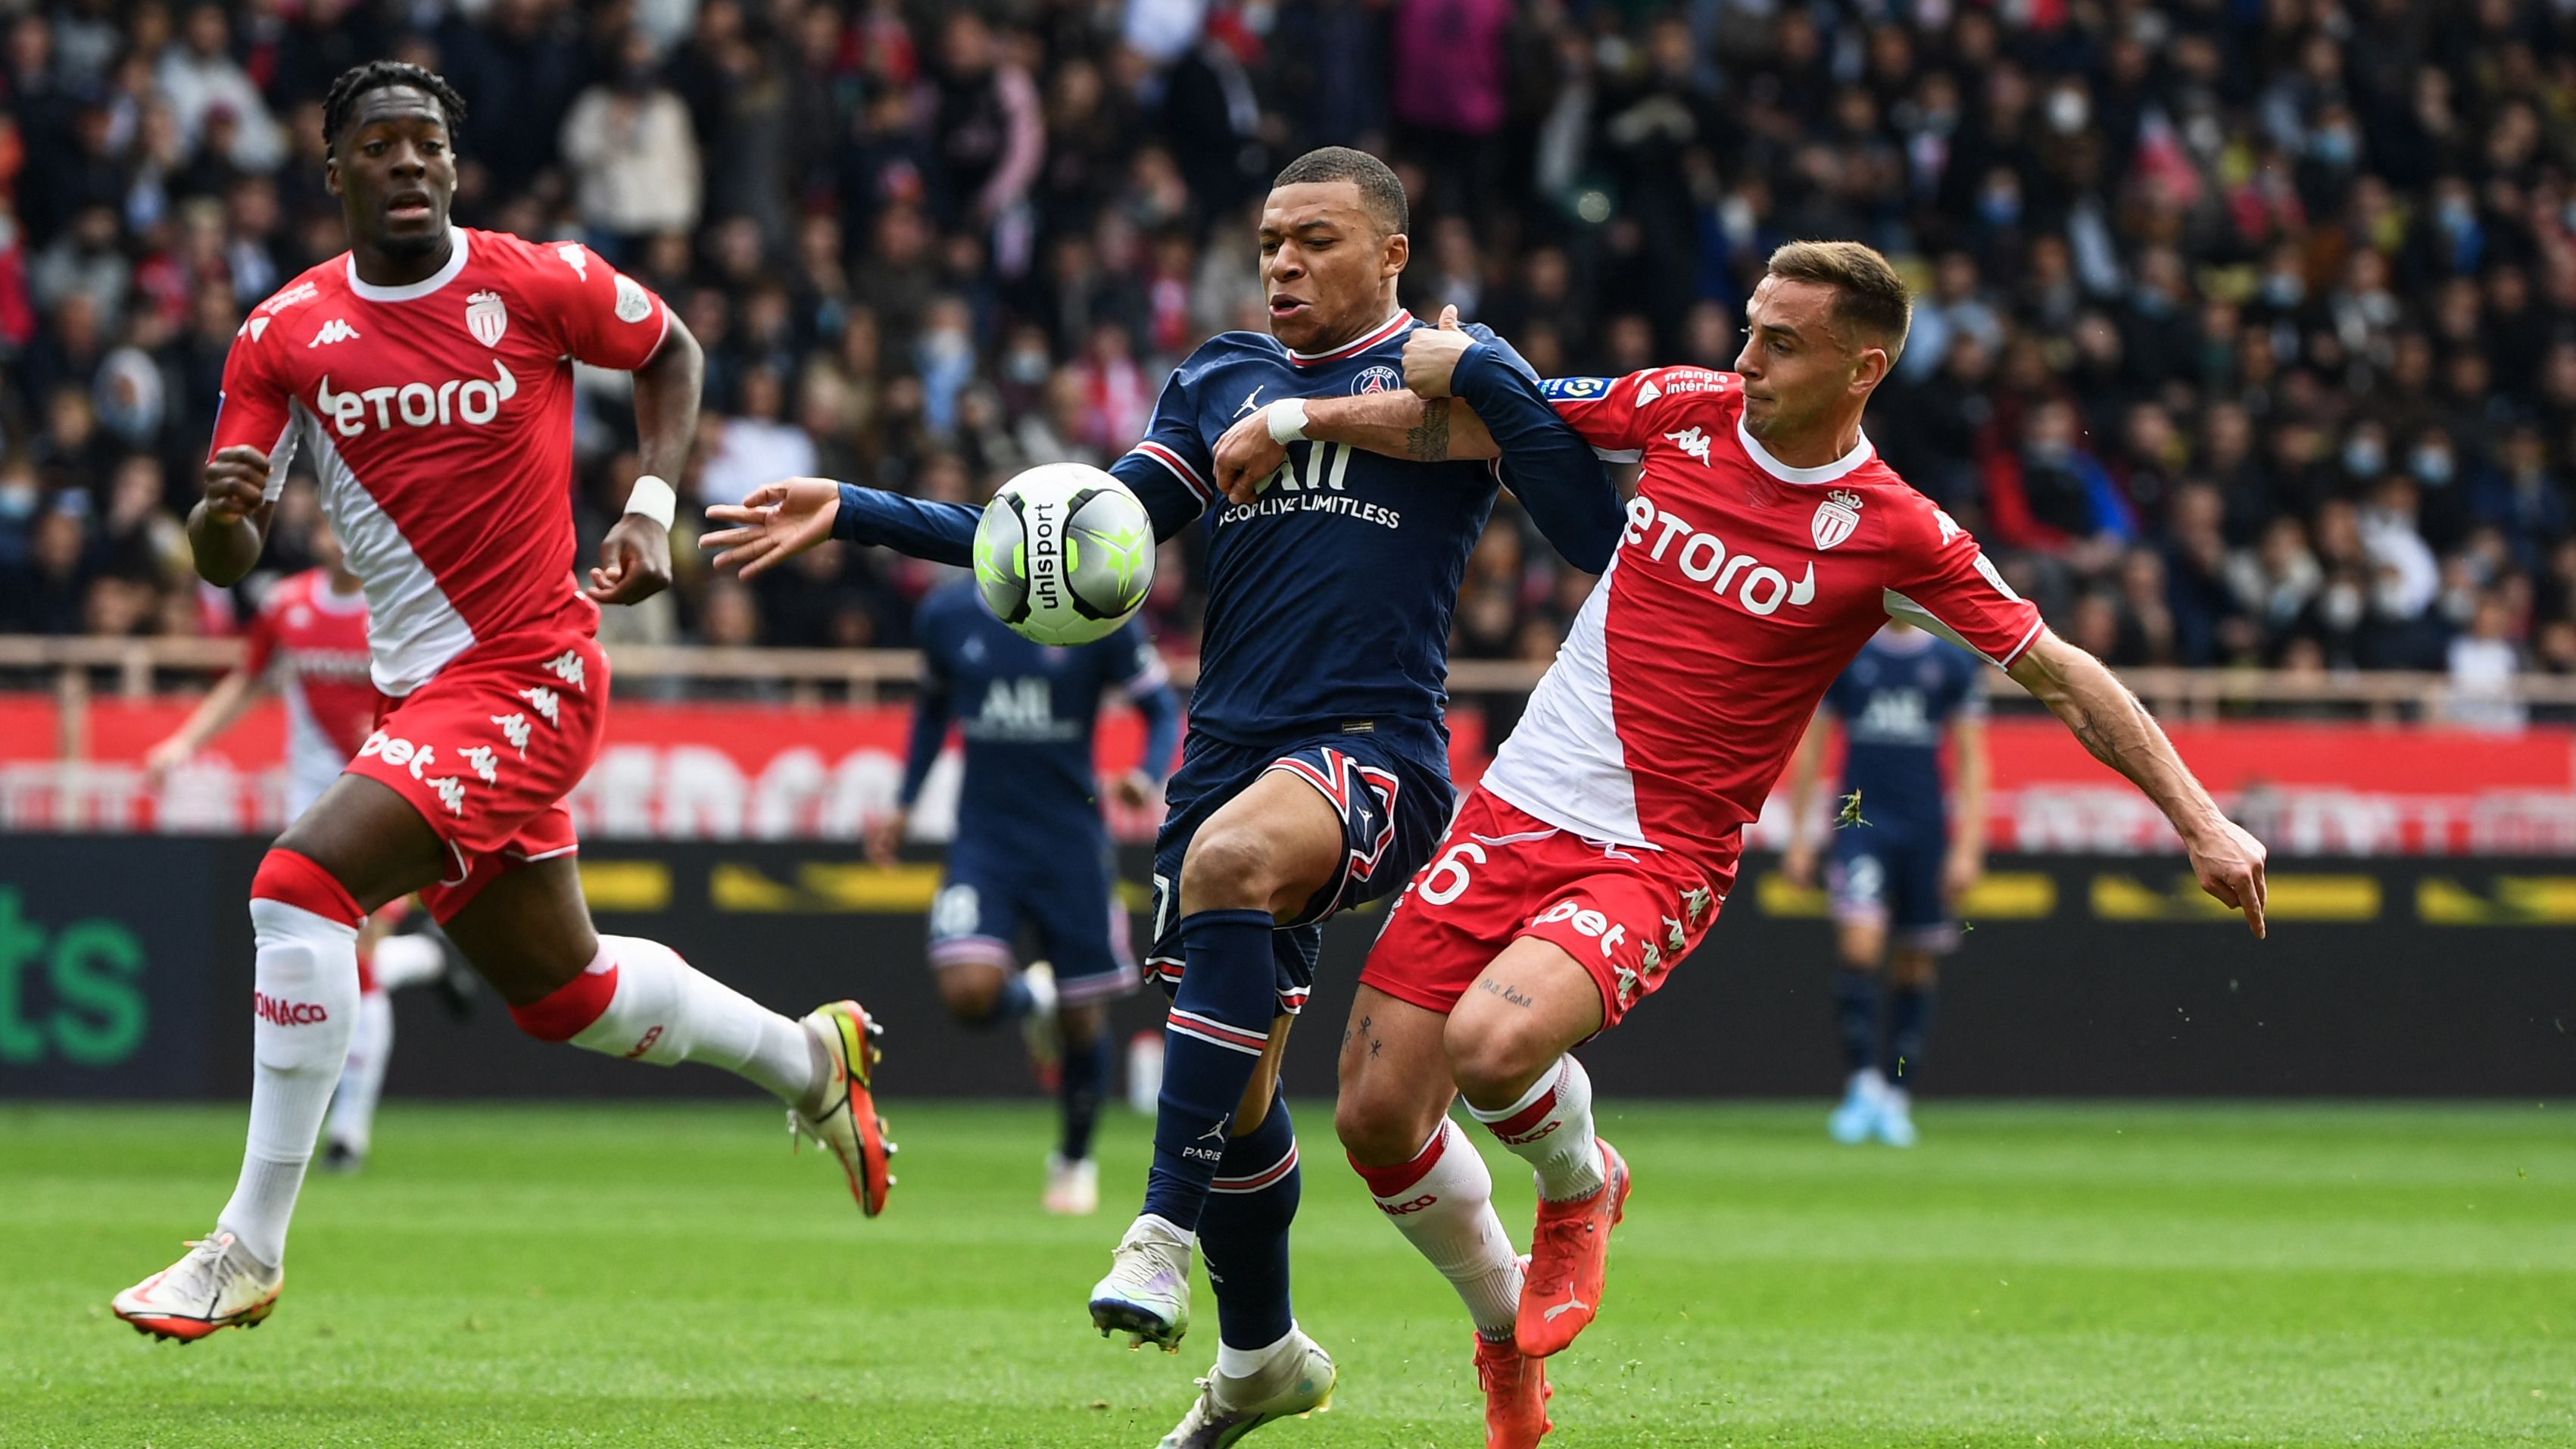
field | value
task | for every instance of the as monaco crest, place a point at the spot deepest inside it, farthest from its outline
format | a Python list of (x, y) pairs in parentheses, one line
[(1836, 517), (487, 319)]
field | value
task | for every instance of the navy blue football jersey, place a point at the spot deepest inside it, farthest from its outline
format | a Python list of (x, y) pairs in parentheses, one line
[(1330, 596), (1026, 711), (1896, 700)]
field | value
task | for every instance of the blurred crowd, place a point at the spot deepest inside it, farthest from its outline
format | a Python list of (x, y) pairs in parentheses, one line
[(2246, 331)]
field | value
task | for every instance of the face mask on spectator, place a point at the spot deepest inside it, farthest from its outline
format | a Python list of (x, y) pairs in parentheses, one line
[(2000, 206), (1026, 367), (2284, 289), (2337, 147), (17, 500), (2431, 466), (2341, 606), (2051, 453), (2364, 457)]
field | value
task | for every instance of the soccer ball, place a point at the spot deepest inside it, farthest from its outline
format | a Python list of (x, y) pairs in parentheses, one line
[(1064, 554)]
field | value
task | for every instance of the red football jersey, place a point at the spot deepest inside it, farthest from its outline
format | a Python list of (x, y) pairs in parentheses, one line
[(439, 417), (315, 637), (1739, 591)]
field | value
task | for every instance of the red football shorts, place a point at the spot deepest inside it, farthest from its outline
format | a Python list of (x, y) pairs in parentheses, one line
[(1628, 915), (487, 751)]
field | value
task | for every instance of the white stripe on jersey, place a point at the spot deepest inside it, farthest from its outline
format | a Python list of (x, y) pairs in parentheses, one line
[(1563, 763), (412, 628)]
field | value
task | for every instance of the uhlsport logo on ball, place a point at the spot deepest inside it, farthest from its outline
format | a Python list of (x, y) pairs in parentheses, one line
[(1064, 554)]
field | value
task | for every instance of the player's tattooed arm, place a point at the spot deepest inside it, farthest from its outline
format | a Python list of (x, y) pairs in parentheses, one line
[(228, 526), (1396, 423), (635, 557), (2110, 722)]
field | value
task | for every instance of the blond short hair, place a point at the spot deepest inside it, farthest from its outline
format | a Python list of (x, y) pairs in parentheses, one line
[(1869, 297)]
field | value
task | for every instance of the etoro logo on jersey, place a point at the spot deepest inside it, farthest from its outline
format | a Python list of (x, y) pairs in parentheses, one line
[(1703, 559), (472, 401)]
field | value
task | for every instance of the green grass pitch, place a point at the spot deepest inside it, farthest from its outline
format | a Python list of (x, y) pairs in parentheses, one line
[(2031, 1276)]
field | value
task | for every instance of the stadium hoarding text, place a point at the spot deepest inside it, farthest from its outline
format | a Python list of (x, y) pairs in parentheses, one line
[(125, 970), (673, 771)]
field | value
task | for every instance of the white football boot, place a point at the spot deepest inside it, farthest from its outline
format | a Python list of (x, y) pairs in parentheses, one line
[(216, 1286), (1042, 1028), (1072, 1188), (847, 1122), (1857, 1117), (1297, 1381), (1896, 1117), (1147, 1292)]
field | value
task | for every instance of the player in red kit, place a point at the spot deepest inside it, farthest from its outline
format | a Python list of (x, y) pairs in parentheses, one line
[(428, 376), (309, 640), (1766, 542)]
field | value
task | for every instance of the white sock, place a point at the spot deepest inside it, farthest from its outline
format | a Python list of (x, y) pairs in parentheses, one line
[(1243, 1363), (402, 961), (1444, 1206), (362, 1077), (667, 1011), (1550, 1128), (306, 978)]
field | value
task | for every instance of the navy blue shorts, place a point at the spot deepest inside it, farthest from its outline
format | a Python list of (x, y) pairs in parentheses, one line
[(988, 892), (1895, 881), (1391, 788)]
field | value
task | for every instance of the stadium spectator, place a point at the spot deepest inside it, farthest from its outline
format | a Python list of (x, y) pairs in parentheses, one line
[(2246, 333)]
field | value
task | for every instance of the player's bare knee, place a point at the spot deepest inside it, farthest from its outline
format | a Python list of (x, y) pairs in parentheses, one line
[(969, 991), (1082, 1025), (1914, 968), (1229, 869)]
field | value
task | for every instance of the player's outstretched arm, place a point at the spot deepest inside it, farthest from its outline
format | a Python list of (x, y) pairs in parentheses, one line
[(635, 557), (220, 710), (2110, 722), (1806, 767), (777, 521), (230, 524)]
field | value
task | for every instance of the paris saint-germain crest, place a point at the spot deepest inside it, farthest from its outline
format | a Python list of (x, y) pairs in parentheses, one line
[(1380, 378), (1836, 517), (486, 318)]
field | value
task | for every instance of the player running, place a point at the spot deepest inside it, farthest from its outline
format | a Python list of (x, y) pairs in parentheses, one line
[(309, 640), (429, 371), (1765, 544), (1028, 815), (1900, 864), (1315, 775)]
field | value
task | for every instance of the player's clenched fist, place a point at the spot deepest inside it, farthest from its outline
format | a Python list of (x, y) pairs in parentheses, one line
[(1246, 457), (236, 483), (634, 562), (1431, 355), (776, 521)]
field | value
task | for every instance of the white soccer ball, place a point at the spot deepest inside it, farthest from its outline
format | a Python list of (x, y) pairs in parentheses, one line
[(1064, 554)]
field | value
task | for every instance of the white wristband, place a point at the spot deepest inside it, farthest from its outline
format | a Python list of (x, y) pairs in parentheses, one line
[(1287, 419), (654, 499)]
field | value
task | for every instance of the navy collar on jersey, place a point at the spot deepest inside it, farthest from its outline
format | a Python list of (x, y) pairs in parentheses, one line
[(1384, 330), (1861, 453), (414, 291)]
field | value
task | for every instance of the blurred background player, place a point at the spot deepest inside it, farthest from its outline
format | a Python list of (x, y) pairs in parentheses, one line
[(429, 372), (1316, 773), (309, 643), (1900, 869), (1028, 818)]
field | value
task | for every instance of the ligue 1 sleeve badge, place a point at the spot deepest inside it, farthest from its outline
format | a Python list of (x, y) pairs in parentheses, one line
[(486, 318), (1376, 379), (1836, 517)]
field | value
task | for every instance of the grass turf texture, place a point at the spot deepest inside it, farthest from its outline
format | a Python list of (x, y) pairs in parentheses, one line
[(2031, 1276)]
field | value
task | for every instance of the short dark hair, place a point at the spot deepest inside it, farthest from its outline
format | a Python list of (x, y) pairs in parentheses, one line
[(1868, 294), (377, 75), (1380, 191)]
